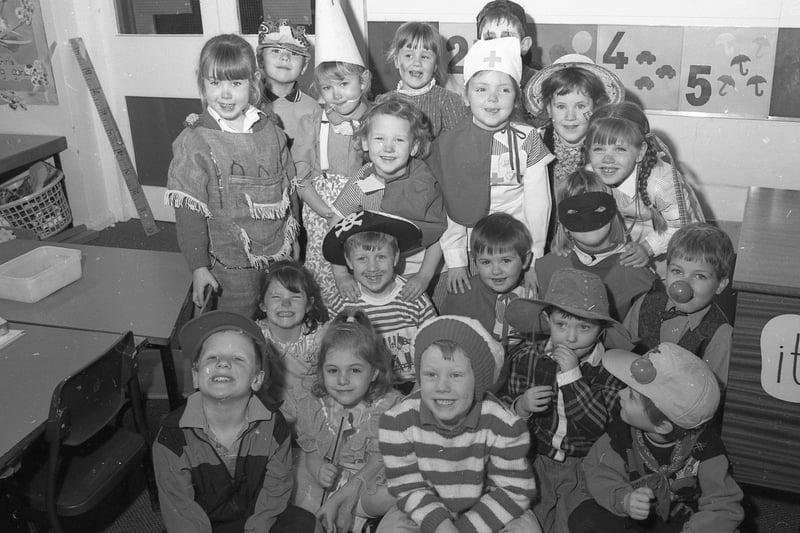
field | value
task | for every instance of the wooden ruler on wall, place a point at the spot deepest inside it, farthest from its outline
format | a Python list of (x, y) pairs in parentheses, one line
[(114, 137)]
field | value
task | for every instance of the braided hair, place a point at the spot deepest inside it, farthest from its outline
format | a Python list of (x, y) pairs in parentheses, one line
[(627, 122)]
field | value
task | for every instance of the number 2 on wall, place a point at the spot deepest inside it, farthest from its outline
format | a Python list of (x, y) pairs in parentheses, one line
[(695, 71), (459, 44)]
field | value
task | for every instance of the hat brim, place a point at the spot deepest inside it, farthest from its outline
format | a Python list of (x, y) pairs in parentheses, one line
[(522, 314), (195, 332), (618, 363), (408, 235), (533, 89)]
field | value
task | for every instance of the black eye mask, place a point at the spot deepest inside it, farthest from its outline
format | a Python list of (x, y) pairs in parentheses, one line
[(587, 212)]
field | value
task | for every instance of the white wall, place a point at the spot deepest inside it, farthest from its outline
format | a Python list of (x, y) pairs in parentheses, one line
[(724, 156)]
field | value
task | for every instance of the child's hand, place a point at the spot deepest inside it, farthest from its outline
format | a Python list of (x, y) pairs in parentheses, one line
[(565, 357), (327, 475), (348, 286), (537, 398), (458, 280), (531, 282), (338, 511), (416, 285), (636, 254), (333, 218), (637, 503), (526, 523), (201, 277)]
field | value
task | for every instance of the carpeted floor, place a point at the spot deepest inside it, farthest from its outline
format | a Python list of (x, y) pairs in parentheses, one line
[(766, 511)]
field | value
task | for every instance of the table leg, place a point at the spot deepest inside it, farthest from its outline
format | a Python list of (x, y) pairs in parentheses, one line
[(174, 395)]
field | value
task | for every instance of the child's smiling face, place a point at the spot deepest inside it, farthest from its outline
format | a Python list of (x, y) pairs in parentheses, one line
[(229, 98), (570, 114), (389, 144), (490, 95), (416, 66), (281, 65), (285, 309), (500, 271), (343, 95), (615, 162), (226, 367), (347, 377), (373, 269), (447, 384)]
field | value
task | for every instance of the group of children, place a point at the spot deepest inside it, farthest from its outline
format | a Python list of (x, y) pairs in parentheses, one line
[(573, 376)]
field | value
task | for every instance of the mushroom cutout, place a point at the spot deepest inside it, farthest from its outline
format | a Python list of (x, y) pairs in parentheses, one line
[(724, 40), (740, 60), (760, 43), (726, 82), (757, 80)]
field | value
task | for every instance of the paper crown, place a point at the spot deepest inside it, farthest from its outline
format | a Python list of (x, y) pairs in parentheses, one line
[(283, 34), (334, 41)]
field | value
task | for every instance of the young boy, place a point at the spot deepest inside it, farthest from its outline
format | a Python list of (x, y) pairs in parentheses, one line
[(504, 18), (699, 262), (561, 387), (501, 245), (370, 244), (223, 461), (455, 456), (659, 467), (283, 54)]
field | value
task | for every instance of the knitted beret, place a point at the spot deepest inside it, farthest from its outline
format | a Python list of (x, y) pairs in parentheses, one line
[(483, 351)]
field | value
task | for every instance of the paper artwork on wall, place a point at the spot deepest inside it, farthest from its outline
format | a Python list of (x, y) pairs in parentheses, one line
[(780, 358), (26, 76)]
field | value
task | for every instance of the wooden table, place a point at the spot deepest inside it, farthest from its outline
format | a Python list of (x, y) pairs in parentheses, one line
[(20, 150), (32, 366), (121, 289), (761, 432)]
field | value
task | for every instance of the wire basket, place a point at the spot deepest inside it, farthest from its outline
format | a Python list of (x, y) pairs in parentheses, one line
[(46, 211)]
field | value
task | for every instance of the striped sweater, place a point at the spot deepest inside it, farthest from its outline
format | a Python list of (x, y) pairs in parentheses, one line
[(478, 475), (395, 319)]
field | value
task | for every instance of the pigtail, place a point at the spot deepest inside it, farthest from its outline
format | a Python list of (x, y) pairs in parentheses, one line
[(650, 159)]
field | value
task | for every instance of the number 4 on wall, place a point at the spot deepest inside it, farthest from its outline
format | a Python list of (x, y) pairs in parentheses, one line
[(695, 81), (619, 60)]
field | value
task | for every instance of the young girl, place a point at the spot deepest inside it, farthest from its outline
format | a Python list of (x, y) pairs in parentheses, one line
[(325, 151), (341, 469), (590, 236), (416, 54), (229, 181), (292, 316), (651, 194), (491, 164), (395, 136)]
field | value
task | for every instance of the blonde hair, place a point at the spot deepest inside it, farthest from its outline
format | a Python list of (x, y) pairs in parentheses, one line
[(338, 71)]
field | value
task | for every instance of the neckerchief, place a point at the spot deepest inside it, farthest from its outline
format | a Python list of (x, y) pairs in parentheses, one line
[(341, 125), (568, 157), (642, 461), (402, 89)]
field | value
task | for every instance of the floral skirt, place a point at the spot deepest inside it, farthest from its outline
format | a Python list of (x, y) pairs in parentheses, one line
[(328, 186)]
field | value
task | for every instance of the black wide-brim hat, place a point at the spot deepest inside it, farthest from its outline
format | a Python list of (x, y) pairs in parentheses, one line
[(408, 235)]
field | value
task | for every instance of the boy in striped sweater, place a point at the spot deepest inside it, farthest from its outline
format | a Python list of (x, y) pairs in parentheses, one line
[(455, 456), (370, 244)]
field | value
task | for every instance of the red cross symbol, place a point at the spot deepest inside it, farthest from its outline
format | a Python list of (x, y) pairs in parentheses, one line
[(492, 59)]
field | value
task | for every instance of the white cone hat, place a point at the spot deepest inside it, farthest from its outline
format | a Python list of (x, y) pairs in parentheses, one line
[(334, 41)]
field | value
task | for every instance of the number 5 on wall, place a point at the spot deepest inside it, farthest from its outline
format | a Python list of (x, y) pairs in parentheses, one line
[(695, 71)]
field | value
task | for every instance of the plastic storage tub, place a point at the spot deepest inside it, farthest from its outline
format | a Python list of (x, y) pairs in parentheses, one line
[(38, 273)]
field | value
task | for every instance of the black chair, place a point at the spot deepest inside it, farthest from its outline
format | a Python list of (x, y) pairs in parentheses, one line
[(89, 453)]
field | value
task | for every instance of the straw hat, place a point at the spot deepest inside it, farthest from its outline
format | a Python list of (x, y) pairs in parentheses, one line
[(533, 90)]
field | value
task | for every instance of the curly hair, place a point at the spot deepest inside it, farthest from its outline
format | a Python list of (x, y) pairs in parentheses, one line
[(583, 181), (228, 57), (298, 279), (352, 330), (626, 122), (395, 105)]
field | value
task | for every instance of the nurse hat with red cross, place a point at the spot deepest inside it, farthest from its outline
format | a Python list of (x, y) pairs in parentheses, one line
[(501, 54)]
